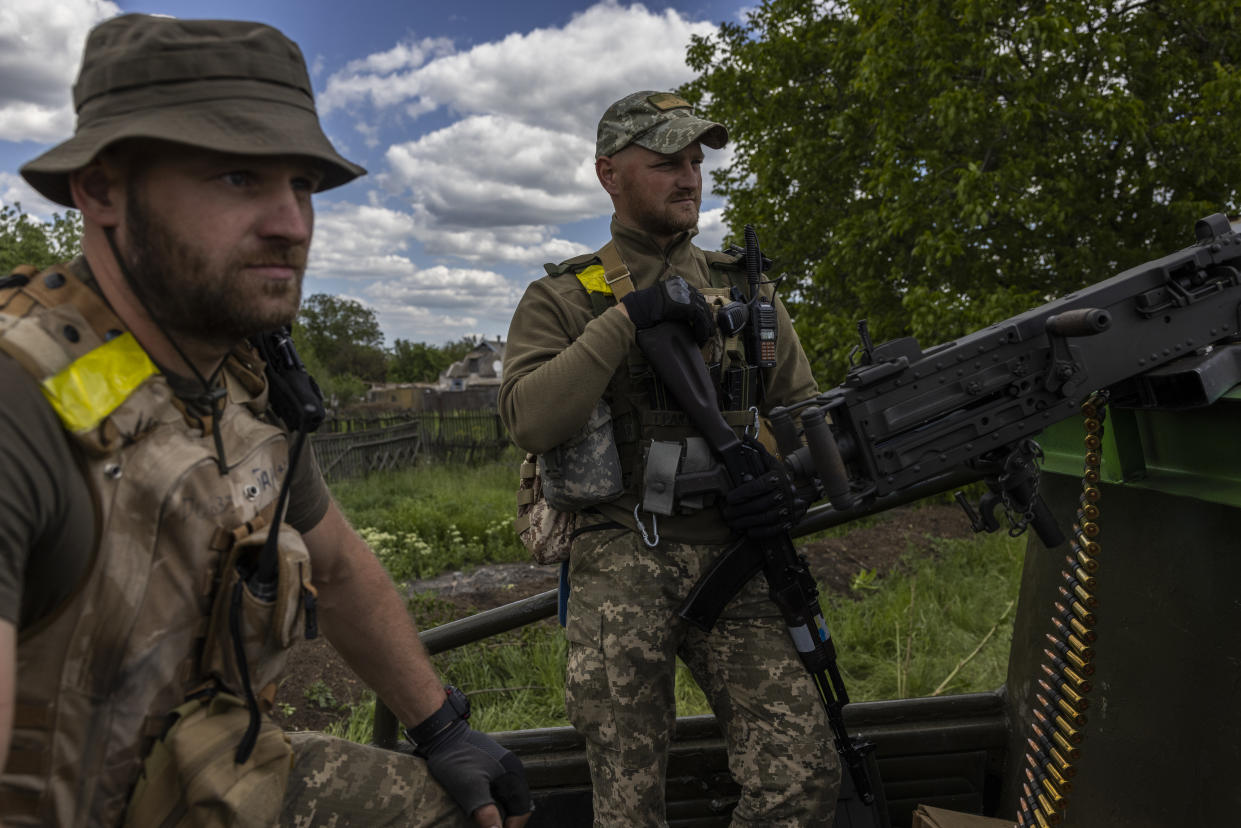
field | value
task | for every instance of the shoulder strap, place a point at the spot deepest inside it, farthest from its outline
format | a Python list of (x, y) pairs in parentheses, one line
[(615, 273), (605, 277)]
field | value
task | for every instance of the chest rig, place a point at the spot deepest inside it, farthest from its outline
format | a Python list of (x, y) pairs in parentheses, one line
[(152, 620), (667, 468)]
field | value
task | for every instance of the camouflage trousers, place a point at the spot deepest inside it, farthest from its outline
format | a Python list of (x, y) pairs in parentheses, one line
[(340, 783), (624, 638)]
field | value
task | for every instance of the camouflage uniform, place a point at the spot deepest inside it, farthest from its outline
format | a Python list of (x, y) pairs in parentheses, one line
[(565, 353), (336, 783), (624, 637)]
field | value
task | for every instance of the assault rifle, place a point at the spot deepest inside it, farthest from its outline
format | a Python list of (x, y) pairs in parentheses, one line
[(907, 423)]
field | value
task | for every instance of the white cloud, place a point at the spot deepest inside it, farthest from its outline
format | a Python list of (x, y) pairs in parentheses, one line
[(368, 248), (14, 191), (494, 171), (561, 78), (517, 159), (711, 229), (438, 303), (40, 48), (360, 241)]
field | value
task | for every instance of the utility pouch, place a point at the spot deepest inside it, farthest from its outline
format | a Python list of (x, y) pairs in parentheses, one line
[(190, 779), (259, 621), (546, 532), (680, 477), (584, 470)]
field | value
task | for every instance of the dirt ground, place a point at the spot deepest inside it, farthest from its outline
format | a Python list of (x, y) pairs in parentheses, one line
[(317, 682)]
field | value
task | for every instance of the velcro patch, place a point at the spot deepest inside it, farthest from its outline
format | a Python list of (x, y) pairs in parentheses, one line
[(666, 100)]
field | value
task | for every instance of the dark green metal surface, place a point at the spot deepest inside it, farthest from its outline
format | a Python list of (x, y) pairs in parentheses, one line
[(1162, 744), (1194, 453)]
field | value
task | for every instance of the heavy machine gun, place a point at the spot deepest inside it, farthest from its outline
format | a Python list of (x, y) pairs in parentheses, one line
[(906, 423)]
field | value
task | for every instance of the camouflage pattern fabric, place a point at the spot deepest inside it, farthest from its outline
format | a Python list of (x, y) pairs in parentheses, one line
[(585, 470), (658, 121), (546, 533), (337, 783), (624, 637)]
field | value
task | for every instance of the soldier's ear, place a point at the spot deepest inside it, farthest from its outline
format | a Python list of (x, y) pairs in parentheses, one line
[(606, 171), (95, 192)]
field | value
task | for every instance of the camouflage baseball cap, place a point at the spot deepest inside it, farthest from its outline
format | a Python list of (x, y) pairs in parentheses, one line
[(659, 121), (223, 85)]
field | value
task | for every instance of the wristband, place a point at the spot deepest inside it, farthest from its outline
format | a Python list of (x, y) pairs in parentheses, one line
[(456, 706)]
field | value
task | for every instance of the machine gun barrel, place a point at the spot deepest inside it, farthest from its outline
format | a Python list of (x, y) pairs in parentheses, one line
[(904, 417)]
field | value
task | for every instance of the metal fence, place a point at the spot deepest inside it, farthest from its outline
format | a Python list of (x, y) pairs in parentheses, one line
[(355, 447)]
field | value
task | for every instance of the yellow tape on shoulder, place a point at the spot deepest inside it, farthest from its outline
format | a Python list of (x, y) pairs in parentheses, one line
[(592, 279), (95, 384)]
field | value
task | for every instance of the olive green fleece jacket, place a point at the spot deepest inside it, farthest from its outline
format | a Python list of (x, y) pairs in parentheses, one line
[(560, 359)]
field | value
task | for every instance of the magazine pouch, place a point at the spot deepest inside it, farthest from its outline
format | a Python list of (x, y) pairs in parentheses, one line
[(585, 470)]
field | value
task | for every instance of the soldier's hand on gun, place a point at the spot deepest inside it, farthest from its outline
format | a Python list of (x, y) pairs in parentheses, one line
[(767, 504), (668, 301), (485, 778)]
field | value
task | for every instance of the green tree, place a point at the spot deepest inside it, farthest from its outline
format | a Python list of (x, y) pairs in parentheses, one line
[(420, 362), (938, 165), (26, 240), (344, 337), (413, 362)]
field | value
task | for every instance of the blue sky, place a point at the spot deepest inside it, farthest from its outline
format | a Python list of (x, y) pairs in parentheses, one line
[(476, 121)]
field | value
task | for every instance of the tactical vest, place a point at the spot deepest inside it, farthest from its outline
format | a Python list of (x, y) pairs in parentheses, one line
[(667, 467), (143, 629)]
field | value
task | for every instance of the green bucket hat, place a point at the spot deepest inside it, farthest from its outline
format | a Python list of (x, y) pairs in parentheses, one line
[(659, 121), (223, 85)]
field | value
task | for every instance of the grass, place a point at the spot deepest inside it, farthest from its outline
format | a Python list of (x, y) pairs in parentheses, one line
[(436, 518), (938, 624)]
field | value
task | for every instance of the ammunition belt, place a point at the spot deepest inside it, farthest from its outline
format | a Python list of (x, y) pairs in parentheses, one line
[(1058, 720)]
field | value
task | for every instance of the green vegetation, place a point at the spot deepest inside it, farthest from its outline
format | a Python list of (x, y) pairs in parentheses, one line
[(939, 624), (25, 240), (433, 519), (936, 167), (342, 345)]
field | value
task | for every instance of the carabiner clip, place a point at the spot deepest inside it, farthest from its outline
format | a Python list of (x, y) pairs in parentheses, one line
[(642, 529)]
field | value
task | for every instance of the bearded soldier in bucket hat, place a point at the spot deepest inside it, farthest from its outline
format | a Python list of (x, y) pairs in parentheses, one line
[(167, 534), (617, 455)]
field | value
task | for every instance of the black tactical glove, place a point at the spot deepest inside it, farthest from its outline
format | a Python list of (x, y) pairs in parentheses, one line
[(671, 300), (475, 769), (767, 505)]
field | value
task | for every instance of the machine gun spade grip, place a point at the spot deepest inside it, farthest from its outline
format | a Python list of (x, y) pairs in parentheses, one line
[(828, 463)]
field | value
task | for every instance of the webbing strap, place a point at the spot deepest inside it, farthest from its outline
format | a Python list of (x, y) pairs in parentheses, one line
[(616, 274)]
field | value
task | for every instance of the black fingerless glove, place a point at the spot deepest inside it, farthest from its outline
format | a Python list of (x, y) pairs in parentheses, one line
[(668, 301), (767, 505), (476, 770)]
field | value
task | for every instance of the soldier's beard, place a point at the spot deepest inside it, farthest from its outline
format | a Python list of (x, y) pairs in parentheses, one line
[(211, 300), (664, 220)]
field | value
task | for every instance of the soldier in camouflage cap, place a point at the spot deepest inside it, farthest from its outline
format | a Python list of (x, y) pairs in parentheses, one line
[(572, 368), (660, 121), (165, 545)]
